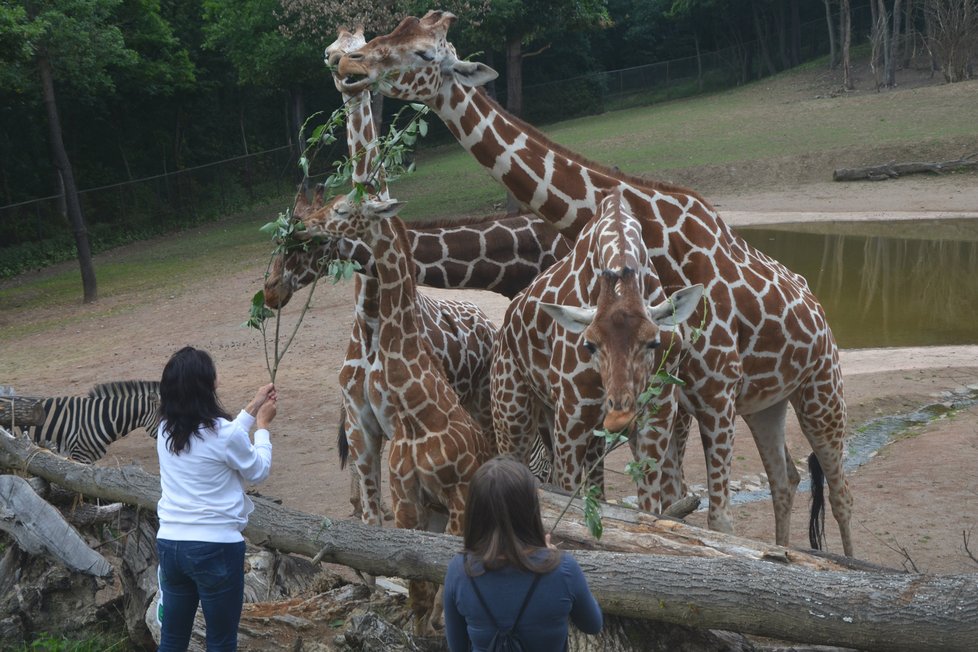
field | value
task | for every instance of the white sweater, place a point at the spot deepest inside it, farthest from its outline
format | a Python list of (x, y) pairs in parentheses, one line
[(204, 487)]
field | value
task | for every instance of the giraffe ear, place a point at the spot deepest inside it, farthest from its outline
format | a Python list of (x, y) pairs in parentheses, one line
[(572, 318), (473, 73), (677, 308)]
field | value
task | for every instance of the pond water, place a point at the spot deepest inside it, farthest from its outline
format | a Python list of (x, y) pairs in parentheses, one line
[(900, 283)]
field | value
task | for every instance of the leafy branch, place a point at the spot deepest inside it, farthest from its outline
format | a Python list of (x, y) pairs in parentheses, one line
[(288, 231)]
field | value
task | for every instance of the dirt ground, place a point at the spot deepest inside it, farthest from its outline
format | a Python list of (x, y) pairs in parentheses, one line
[(914, 501)]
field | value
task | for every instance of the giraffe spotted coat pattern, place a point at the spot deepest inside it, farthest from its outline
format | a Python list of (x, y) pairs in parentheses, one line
[(587, 367), (766, 343)]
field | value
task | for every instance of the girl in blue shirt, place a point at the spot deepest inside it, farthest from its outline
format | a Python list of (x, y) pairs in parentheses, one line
[(506, 554)]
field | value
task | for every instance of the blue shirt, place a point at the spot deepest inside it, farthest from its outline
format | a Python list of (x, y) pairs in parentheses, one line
[(559, 594)]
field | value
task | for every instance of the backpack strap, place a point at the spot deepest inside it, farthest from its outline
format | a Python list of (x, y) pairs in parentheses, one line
[(485, 607)]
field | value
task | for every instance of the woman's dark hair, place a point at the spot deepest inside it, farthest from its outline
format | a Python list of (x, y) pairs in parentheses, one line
[(502, 520), (188, 397)]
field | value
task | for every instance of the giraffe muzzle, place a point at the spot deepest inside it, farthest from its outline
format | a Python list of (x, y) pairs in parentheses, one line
[(617, 420)]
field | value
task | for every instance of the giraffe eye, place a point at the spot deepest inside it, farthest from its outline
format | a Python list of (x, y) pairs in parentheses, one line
[(425, 55), (652, 344), (590, 347)]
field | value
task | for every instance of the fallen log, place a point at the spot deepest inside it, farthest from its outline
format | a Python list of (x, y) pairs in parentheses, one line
[(40, 529), (894, 170), (21, 411), (770, 597)]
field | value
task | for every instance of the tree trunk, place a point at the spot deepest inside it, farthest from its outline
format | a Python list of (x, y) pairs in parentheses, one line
[(767, 596), (514, 76), (760, 29), (895, 42), (894, 170), (60, 158), (795, 42), (833, 55), (845, 31), (21, 411)]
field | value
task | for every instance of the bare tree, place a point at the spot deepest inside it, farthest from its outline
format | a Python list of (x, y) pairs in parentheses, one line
[(953, 36)]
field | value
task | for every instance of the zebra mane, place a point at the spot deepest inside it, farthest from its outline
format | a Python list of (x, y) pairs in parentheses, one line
[(125, 388)]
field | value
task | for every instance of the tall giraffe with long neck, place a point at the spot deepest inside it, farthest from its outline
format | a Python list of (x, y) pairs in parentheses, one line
[(766, 342), (501, 255)]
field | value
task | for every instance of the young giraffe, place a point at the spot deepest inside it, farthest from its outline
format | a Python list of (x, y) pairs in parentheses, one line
[(437, 446), (540, 365), (502, 256), (766, 342)]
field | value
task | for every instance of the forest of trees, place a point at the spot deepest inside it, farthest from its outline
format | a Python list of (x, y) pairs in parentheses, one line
[(97, 93)]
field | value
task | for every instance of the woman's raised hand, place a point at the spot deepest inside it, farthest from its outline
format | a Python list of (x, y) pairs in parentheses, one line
[(264, 393)]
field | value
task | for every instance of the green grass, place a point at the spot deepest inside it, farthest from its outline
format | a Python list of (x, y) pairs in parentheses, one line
[(231, 245), (754, 122), (54, 643)]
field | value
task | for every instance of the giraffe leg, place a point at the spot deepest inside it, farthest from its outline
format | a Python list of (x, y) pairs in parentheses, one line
[(767, 427), (651, 443), (515, 413), (821, 412), (672, 486), (410, 514), (366, 446), (717, 434)]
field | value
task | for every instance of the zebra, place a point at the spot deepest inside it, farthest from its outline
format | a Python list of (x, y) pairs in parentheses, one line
[(81, 427)]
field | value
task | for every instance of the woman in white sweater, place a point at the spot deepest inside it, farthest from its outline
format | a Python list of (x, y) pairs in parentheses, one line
[(206, 461)]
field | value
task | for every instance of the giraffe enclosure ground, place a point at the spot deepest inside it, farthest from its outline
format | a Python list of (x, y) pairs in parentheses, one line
[(919, 494)]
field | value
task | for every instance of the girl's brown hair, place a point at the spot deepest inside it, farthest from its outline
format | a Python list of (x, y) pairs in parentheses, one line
[(502, 520)]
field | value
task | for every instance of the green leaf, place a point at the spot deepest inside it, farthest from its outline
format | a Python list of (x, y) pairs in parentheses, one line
[(667, 378), (592, 512), (636, 469), (258, 313)]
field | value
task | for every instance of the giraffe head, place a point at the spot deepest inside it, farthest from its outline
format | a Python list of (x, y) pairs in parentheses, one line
[(347, 217), (621, 335), (345, 42), (296, 268), (411, 63)]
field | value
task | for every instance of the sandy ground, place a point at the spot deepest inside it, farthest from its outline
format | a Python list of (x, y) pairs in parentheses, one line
[(914, 500)]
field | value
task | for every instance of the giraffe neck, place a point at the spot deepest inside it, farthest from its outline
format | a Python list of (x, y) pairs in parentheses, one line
[(560, 186), (401, 348), (361, 138)]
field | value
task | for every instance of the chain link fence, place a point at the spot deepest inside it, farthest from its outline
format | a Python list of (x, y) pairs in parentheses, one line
[(37, 232)]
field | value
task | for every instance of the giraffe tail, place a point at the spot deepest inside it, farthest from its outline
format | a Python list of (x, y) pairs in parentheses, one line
[(816, 522), (342, 445)]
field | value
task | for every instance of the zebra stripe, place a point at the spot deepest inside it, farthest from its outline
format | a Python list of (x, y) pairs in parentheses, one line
[(81, 427), (541, 461)]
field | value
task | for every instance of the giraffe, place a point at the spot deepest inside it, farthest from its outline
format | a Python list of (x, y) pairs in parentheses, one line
[(458, 332), (575, 383), (499, 255), (437, 445), (766, 343)]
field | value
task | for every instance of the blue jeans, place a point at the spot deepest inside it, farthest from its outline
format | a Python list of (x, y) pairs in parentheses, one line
[(209, 573)]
